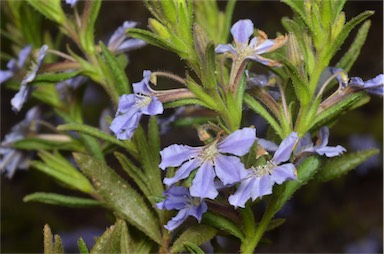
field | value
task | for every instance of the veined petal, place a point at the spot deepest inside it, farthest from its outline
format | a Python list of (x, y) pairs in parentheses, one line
[(229, 169), (126, 102), (176, 221), (155, 107), (174, 155), (264, 46), (124, 125), (238, 142), (203, 185), (285, 148), (197, 211), (330, 151), (242, 30), (262, 186), (243, 193), (183, 172), (283, 172), (223, 48)]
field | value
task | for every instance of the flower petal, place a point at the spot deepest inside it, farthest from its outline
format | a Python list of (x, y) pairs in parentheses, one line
[(124, 125), (285, 148), (5, 75), (126, 102), (21, 97), (262, 186), (242, 30), (267, 145), (224, 48), (322, 137), (263, 47), (243, 193), (197, 211), (330, 151), (174, 155), (155, 107), (203, 185), (176, 221), (142, 87), (183, 172), (238, 142), (130, 44), (177, 198), (229, 169), (23, 55), (283, 172)]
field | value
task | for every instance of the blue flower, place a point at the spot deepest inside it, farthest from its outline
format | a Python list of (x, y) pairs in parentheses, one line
[(22, 95), (305, 145), (71, 2), (178, 198), (118, 43), (14, 65), (13, 159), (259, 180), (132, 106), (211, 160), (241, 31)]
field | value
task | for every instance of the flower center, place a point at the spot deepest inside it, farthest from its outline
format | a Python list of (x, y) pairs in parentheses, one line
[(209, 152), (142, 100), (263, 169)]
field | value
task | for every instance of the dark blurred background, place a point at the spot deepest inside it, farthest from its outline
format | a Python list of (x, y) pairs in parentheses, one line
[(345, 215)]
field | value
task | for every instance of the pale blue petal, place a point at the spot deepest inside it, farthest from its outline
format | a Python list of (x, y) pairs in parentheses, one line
[(155, 107), (130, 44), (203, 185), (126, 102), (304, 145), (183, 172), (263, 47), (257, 58), (176, 221), (229, 169), (243, 193), (23, 55), (283, 172), (285, 149), (197, 211), (21, 97), (323, 137), (124, 125), (262, 186), (242, 30), (174, 155), (71, 2), (267, 145), (330, 151), (224, 48), (142, 87), (238, 142), (119, 35), (177, 198), (5, 75)]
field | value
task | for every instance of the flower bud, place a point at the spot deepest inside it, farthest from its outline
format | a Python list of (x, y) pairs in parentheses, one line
[(159, 29), (293, 50)]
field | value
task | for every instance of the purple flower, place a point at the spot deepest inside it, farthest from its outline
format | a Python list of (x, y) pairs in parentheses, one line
[(211, 160), (373, 86), (23, 94), (71, 2), (305, 145), (241, 31), (259, 180), (14, 65), (13, 158), (119, 43), (132, 106), (178, 198)]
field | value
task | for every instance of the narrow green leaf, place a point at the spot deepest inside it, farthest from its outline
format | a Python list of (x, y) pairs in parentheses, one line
[(48, 241), (334, 47), (51, 9), (32, 33), (193, 248), (200, 93), (305, 173), (94, 132), (299, 8), (150, 38), (83, 249), (121, 80), (196, 234), (349, 58), (58, 245), (46, 144), (135, 173), (121, 197), (61, 200), (125, 239), (339, 166), (89, 16), (54, 77), (209, 67), (222, 223), (109, 242), (259, 109), (228, 20), (154, 138), (275, 223), (184, 102)]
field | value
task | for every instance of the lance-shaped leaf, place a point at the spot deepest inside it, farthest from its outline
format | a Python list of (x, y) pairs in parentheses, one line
[(54, 77), (120, 196), (120, 78), (51, 142), (200, 93), (339, 166), (31, 25), (347, 61), (83, 249), (109, 241), (48, 242), (196, 234), (61, 200), (222, 223), (50, 9)]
